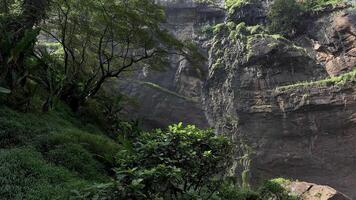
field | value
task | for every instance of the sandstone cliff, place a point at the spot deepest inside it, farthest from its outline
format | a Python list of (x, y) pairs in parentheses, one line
[(275, 93)]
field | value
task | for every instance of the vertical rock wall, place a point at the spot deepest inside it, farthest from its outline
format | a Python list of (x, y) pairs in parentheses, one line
[(302, 131), (157, 107)]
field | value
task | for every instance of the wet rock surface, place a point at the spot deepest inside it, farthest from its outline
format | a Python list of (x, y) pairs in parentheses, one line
[(306, 132), (158, 108), (311, 191), (333, 38)]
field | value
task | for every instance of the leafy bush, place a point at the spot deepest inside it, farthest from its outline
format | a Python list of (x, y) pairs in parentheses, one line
[(273, 189), (316, 5), (75, 158), (17, 128), (178, 163), (208, 30), (230, 191), (103, 148), (284, 16)]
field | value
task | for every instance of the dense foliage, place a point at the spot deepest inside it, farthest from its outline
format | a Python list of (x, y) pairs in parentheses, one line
[(68, 49), (284, 16), (182, 163), (287, 16), (177, 163), (57, 156)]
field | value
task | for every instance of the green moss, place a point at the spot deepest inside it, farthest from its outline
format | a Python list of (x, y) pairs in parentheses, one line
[(218, 64), (217, 29), (255, 29), (235, 3), (275, 188), (318, 5), (232, 5), (337, 80), (281, 181)]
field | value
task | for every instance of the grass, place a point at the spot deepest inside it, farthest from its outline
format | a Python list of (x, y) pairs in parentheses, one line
[(46, 156), (25, 174), (343, 79)]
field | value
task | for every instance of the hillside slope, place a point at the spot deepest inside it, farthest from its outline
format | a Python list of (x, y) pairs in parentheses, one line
[(46, 156)]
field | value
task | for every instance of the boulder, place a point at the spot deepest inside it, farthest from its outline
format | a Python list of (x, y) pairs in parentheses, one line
[(311, 191)]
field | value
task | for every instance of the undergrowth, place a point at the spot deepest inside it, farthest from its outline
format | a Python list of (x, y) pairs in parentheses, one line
[(47, 155), (340, 80)]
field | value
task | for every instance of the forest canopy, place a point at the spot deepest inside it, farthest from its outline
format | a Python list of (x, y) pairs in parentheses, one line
[(70, 48)]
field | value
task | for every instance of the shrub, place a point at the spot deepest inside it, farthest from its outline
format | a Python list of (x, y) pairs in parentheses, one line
[(273, 189), (231, 192), (75, 158), (103, 148), (284, 16), (207, 30), (17, 128), (316, 5), (178, 163)]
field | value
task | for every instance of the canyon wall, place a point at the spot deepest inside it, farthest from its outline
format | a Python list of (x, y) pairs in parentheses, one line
[(174, 94), (277, 94)]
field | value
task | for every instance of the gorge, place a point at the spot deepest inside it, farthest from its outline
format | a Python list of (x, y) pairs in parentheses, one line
[(178, 99), (283, 96)]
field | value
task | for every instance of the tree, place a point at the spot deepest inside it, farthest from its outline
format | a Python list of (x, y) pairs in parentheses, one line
[(17, 37), (103, 39), (19, 20), (177, 163), (284, 16)]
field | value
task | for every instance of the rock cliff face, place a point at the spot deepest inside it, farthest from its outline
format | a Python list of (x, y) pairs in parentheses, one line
[(251, 89), (182, 102), (310, 191), (305, 131)]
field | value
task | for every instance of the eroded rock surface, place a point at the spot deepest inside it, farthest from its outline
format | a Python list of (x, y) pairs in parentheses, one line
[(335, 41), (158, 108), (311, 191), (306, 131)]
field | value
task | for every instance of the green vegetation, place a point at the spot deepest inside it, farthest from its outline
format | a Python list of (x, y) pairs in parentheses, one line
[(284, 16), (63, 137), (174, 163), (340, 80), (57, 53), (4, 90), (232, 5), (319, 5), (56, 156), (242, 35), (45, 156), (178, 163), (287, 16), (235, 3), (25, 174)]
